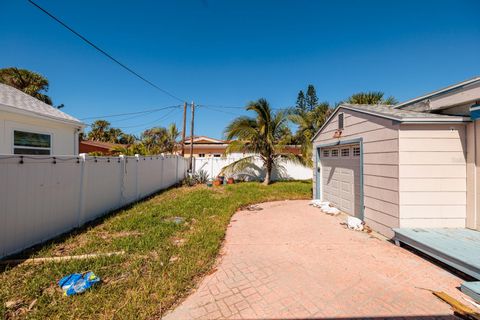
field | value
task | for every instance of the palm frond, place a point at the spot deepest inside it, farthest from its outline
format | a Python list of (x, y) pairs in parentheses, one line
[(238, 166)]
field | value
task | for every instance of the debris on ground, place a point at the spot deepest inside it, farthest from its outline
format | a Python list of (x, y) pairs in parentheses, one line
[(122, 234), (77, 282), (12, 304), (458, 308), (354, 223), (253, 207), (58, 259), (178, 242), (325, 206), (173, 259), (178, 220)]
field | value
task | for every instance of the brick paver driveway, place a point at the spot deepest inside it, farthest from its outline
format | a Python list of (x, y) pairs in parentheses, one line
[(291, 261)]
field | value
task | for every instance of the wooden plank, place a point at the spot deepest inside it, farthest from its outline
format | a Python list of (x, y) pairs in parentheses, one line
[(457, 247)]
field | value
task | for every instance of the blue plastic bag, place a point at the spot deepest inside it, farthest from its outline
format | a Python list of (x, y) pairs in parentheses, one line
[(77, 283)]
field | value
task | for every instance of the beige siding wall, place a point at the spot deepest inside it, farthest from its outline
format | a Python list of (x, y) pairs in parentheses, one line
[(432, 175), (380, 147), (473, 175)]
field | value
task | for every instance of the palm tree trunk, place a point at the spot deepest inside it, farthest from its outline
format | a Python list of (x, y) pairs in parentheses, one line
[(268, 172)]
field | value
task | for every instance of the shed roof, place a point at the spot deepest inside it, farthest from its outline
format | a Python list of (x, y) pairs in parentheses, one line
[(20, 101), (389, 112), (445, 90), (400, 115)]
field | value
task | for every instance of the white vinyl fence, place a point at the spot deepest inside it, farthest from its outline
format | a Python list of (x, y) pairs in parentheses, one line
[(44, 196), (255, 171)]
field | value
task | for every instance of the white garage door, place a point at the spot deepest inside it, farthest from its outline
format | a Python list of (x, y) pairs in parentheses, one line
[(340, 177)]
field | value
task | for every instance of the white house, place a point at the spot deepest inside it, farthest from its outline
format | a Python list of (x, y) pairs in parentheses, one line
[(30, 127)]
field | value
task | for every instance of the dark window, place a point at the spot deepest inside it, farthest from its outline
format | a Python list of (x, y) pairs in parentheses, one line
[(340, 121), (326, 153), (217, 155), (31, 143), (334, 152), (346, 152), (356, 151)]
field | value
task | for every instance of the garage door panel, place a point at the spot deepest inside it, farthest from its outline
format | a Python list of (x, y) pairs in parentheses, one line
[(341, 182)]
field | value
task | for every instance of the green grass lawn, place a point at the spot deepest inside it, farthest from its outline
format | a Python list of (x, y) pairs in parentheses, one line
[(163, 258)]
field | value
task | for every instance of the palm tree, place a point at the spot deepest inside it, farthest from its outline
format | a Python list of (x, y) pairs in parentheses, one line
[(266, 135), (99, 131), (30, 82), (371, 97), (308, 123), (172, 137), (131, 150)]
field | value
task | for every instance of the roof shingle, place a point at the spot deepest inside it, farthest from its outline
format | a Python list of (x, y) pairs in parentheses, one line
[(17, 99)]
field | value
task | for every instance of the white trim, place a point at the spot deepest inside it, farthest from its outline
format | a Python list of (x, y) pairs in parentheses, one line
[(446, 119)]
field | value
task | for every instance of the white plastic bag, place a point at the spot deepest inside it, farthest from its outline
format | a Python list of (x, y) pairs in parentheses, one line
[(354, 224)]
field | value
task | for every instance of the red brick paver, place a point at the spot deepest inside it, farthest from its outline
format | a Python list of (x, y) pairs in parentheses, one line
[(290, 261)]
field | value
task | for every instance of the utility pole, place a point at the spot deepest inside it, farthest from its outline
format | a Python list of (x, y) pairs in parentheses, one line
[(184, 127), (191, 137)]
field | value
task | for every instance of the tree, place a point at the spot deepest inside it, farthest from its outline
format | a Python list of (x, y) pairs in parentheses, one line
[(172, 136), (371, 97), (301, 104), (30, 82), (311, 99), (126, 138), (308, 123), (99, 131), (266, 135)]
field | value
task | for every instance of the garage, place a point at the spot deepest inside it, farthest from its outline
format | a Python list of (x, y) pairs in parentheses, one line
[(340, 175)]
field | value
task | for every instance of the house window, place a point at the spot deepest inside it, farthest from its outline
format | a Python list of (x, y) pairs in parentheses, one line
[(345, 152), (340, 121), (31, 143), (334, 152), (326, 153), (356, 151), (216, 155), (201, 155)]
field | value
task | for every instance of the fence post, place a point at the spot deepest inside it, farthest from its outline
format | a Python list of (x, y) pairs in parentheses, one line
[(121, 159), (83, 188), (176, 169), (137, 195)]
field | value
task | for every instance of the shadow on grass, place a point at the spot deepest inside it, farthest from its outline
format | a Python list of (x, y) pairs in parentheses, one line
[(31, 251)]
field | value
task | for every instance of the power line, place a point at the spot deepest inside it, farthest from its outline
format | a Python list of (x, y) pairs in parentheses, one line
[(219, 110), (106, 53), (165, 116), (131, 113)]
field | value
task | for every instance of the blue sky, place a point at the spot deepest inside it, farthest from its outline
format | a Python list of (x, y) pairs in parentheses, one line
[(226, 53)]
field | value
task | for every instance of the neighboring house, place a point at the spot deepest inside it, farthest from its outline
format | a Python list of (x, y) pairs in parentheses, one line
[(412, 165), (105, 148), (31, 127), (206, 147)]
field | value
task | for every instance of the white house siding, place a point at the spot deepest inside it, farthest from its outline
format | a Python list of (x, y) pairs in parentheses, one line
[(380, 170), (64, 136), (432, 173)]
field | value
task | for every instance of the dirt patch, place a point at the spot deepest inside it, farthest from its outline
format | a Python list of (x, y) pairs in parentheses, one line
[(121, 234)]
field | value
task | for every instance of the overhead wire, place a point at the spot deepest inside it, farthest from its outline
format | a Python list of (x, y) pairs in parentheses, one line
[(108, 55)]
